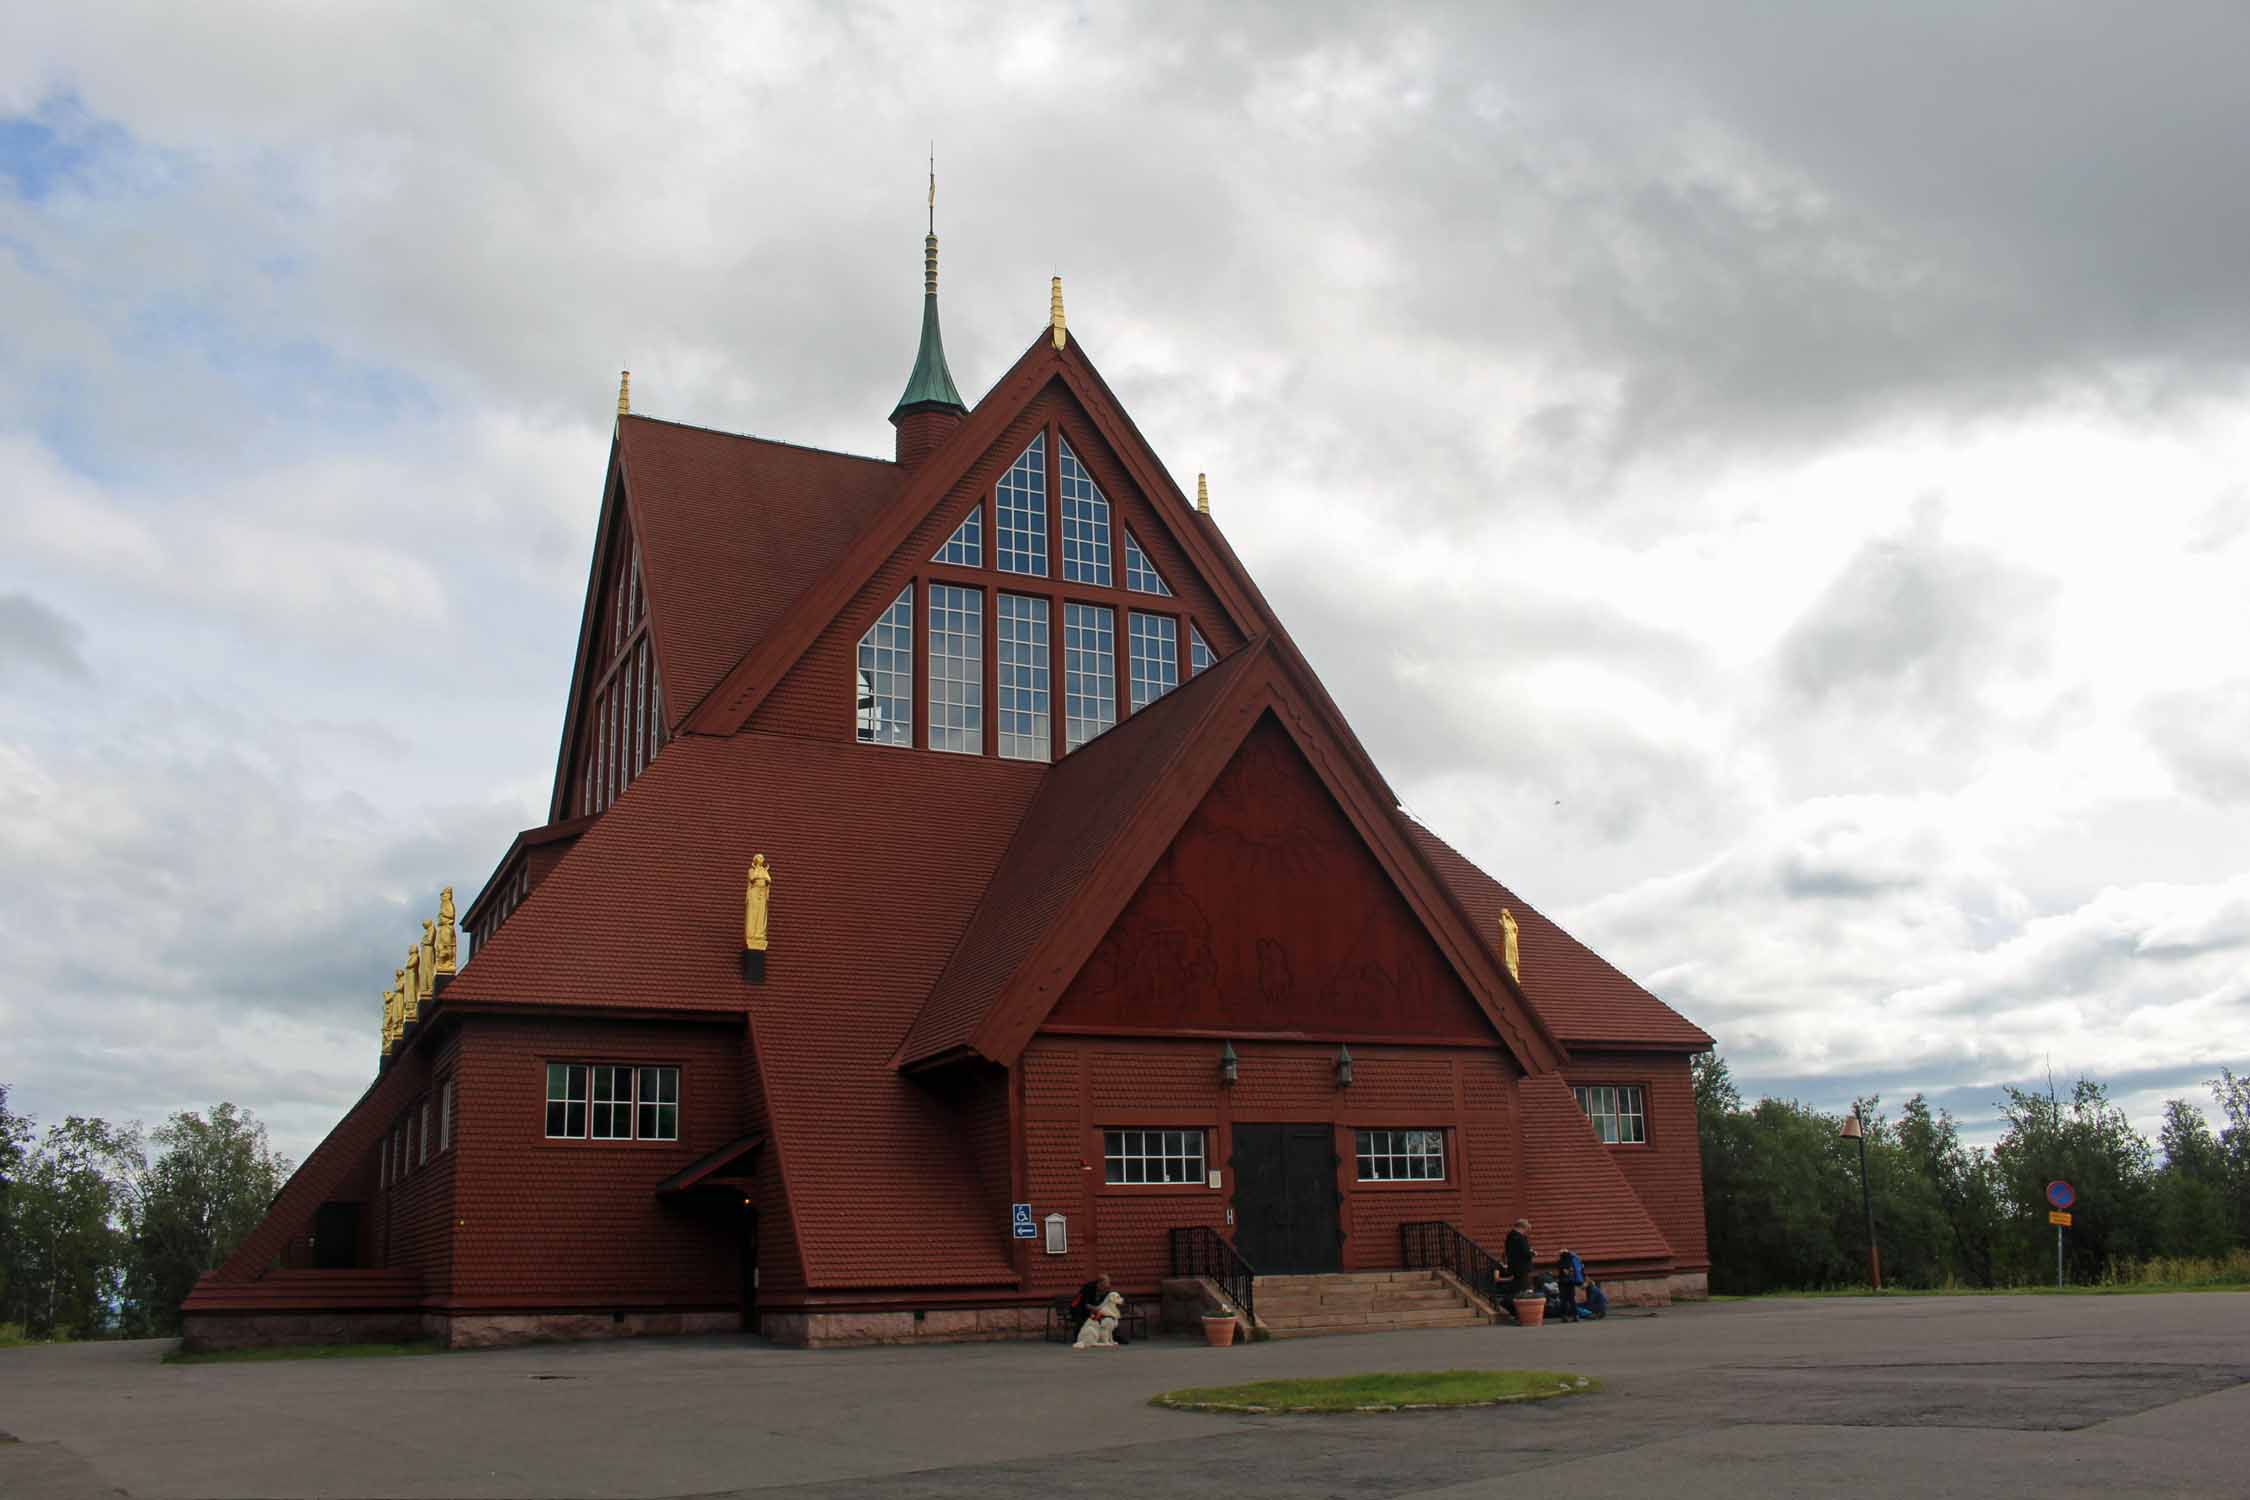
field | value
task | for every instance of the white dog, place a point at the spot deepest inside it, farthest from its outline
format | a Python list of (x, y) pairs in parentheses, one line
[(1100, 1330)]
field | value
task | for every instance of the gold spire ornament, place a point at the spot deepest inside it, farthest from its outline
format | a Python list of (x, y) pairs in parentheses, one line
[(757, 901), (1509, 948), (929, 244), (1055, 316), (448, 934), (1202, 494), (624, 393)]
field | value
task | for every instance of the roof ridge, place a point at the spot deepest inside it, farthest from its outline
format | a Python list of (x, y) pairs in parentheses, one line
[(752, 437)]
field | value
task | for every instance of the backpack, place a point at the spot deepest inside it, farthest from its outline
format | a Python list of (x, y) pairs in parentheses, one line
[(1573, 1269)]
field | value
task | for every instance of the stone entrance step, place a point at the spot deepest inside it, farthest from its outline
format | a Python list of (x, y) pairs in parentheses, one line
[(1361, 1302)]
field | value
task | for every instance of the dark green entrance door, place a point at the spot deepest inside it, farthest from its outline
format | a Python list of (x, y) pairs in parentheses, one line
[(1285, 1200)]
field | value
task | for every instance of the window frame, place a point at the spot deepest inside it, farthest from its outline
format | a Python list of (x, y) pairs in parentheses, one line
[(1398, 1135), (630, 1103), (1199, 1183), (445, 1114), (1580, 1093)]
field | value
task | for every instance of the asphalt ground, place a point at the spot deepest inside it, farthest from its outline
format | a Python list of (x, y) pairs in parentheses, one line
[(2046, 1396)]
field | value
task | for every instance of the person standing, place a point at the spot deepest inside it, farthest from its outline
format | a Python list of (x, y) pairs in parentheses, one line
[(1515, 1268)]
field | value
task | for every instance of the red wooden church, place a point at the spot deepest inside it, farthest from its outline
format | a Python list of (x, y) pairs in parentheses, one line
[(955, 882)]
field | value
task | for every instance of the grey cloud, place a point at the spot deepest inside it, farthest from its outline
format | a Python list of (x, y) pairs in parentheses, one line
[(35, 638), (2204, 737)]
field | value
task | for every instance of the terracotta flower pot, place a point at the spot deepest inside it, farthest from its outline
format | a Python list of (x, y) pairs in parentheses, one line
[(1218, 1332), (1531, 1311)]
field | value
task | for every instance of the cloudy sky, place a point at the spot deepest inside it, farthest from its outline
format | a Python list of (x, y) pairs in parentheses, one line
[(1773, 486)]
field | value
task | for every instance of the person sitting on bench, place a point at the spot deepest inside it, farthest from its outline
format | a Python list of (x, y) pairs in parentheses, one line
[(1089, 1300)]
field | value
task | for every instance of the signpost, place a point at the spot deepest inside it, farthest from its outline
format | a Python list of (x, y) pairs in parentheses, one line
[(2060, 1195), (1025, 1229)]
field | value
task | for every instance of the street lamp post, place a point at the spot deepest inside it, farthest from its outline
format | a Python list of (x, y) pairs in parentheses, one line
[(1854, 1131)]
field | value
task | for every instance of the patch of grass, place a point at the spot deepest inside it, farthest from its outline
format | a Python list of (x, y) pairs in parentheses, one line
[(1359, 1393), (298, 1351), (2096, 1289)]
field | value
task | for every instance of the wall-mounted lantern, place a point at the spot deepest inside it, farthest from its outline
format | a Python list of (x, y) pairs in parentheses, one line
[(1343, 1067), (1230, 1066), (1058, 1235)]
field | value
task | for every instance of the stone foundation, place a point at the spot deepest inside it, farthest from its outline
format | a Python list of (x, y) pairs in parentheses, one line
[(1658, 1291), (201, 1332), (493, 1330), (932, 1325)]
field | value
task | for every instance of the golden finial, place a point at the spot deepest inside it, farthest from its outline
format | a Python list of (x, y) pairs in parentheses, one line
[(448, 942), (1055, 316), (1202, 495), (1509, 949), (929, 245), (624, 393), (756, 900)]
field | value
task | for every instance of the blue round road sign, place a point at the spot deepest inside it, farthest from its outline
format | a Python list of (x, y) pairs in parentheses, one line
[(2061, 1194)]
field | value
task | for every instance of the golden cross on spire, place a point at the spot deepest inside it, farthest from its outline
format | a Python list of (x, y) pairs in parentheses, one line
[(624, 393)]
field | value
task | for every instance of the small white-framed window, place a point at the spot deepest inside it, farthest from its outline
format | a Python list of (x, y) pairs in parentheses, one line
[(1617, 1111), (1140, 574), (1089, 672), (1400, 1155), (566, 1101), (445, 1118), (612, 1115), (956, 669), (424, 1159), (1019, 513), (965, 548), (1024, 658), (1199, 651), (1158, 1157), (1085, 524), (658, 1111), (886, 675), (1155, 667)]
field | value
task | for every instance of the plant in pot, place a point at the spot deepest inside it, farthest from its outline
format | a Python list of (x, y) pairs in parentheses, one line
[(1218, 1329)]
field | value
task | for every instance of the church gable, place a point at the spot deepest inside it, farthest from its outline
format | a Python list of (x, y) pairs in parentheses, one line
[(615, 724), (1269, 915), (1045, 542)]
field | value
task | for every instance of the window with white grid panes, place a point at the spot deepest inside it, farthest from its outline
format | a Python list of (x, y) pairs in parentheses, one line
[(1140, 574), (566, 1101), (1199, 651), (885, 678), (606, 1102), (1617, 1111), (658, 1109), (1089, 672), (612, 1116), (965, 548), (1400, 1155), (1154, 641), (956, 669), (1085, 524), (1026, 731), (1019, 513), (1153, 1157)]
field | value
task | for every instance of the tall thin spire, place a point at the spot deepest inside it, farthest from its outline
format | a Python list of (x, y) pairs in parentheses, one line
[(930, 387)]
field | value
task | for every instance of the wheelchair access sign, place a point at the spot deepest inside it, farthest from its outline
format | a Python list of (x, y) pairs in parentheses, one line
[(1025, 1229)]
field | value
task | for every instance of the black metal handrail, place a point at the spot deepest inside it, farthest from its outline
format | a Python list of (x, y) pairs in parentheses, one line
[(1199, 1251), (1433, 1244)]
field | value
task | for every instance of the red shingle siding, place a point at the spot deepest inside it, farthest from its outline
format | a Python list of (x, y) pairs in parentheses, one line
[(1667, 1173), (578, 1223), (1574, 1194)]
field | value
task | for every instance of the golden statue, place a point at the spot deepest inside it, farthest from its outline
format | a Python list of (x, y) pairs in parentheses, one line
[(1509, 948), (447, 934), (428, 952), (754, 903), (390, 1013), (1059, 328), (410, 982)]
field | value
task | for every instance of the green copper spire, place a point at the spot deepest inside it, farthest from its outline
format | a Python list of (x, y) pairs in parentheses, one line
[(931, 384)]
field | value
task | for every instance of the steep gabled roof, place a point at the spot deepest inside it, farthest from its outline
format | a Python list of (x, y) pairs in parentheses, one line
[(1573, 1192), (879, 856), (1080, 856), (733, 530), (1586, 1001)]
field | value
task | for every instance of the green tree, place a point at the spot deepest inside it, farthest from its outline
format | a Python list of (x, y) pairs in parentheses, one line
[(2086, 1141), (2194, 1211), (2233, 1096), (209, 1185), (67, 1212), (1959, 1182), (15, 1144)]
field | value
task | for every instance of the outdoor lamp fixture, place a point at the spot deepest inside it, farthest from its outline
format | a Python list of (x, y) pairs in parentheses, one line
[(1854, 1131), (1343, 1067), (1230, 1066)]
